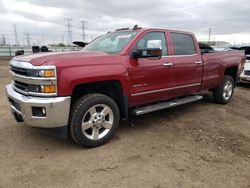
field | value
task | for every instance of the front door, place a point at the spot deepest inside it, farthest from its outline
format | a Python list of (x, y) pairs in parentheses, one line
[(150, 78)]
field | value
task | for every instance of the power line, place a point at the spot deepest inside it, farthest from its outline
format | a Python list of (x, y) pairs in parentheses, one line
[(16, 36), (83, 22), (69, 29), (209, 34)]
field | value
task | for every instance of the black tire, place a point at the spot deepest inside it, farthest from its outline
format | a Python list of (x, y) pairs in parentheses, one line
[(219, 92), (80, 110)]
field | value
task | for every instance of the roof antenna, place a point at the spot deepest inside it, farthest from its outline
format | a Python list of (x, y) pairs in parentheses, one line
[(136, 27)]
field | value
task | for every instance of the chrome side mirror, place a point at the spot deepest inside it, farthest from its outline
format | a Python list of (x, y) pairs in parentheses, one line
[(154, 44)]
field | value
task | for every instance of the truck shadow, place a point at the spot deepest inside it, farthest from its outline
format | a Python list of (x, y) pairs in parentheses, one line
[(158, 117), (244, 85)]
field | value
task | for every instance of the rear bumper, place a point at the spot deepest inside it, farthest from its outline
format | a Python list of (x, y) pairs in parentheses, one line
[(56, 109)]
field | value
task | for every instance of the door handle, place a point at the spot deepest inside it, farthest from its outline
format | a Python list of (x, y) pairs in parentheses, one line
[(198, 62), (168, 64)]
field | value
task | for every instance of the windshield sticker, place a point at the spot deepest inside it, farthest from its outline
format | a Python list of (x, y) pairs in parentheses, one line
[(124, 36)]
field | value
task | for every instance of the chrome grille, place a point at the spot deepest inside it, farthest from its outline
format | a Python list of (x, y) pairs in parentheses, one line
[(247, 72), (18, 70), (21, 86)]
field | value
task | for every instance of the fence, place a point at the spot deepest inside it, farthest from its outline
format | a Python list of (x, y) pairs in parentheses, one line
[(9, 51)]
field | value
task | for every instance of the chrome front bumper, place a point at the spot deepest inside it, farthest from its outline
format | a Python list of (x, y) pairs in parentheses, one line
[(57, 109), (244, 78)]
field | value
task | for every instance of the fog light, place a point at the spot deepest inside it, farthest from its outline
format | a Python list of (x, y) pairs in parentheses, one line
[(39, 111), (43, 111)]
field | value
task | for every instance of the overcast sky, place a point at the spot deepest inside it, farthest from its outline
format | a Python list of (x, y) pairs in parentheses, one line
[(45, 19)]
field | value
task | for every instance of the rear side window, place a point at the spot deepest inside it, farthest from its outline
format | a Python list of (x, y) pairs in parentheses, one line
[(183, 44)]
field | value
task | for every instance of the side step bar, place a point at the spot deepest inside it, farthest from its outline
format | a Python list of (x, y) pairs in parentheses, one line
[(164, 105)]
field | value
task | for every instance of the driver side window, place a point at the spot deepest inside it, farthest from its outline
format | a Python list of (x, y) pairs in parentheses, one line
[(143, 42)]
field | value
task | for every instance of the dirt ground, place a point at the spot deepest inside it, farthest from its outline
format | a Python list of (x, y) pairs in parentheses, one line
[(202, 144)]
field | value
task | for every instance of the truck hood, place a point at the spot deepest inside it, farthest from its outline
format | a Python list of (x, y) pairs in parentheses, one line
[(52, 57)]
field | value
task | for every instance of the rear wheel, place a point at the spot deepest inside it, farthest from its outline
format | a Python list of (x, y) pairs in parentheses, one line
[(224, 92), (94, 119)]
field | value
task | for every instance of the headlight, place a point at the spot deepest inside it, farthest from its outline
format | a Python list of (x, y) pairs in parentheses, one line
[(48, 89), (46, 73), (34, 80)]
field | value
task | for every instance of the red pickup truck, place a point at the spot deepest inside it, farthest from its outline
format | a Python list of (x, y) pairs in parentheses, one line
[(128, 71)]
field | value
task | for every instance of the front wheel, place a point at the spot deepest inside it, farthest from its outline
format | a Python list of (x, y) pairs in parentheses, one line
[(94, 119), (224, 92)]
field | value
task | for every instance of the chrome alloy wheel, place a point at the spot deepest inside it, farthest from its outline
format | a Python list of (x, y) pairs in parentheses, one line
[(228, 90), (97, 121)]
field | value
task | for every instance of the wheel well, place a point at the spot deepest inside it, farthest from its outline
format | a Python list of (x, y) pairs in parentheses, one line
[(232, 71), (113, 89)]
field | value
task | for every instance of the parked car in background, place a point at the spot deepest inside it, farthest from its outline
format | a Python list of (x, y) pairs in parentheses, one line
[(245, 75)]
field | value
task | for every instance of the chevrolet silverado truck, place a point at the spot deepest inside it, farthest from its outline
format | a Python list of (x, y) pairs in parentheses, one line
[(121, 73)]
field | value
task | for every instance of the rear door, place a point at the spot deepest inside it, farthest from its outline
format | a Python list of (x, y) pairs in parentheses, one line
[(187, 64)]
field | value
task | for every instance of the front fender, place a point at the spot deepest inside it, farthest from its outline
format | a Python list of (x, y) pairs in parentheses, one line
[(70, 77)]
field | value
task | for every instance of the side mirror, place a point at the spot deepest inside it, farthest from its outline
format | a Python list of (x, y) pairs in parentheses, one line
[(153, 50), (154, 44), (147, 53)]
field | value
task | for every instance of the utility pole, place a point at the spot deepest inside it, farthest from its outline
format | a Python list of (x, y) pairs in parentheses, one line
[(83, 22), (69, 29), (62, 38), (27, 38), (209, 35), (3, 40), (16, 36)]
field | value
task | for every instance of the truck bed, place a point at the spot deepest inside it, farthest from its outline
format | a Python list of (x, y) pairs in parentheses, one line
[(215, 64)]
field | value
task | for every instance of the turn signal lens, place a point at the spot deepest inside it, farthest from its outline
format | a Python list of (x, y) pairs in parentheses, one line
[(49, 89), (49, 73)]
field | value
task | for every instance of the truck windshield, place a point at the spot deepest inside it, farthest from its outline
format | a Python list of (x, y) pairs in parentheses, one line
[(111, 43)]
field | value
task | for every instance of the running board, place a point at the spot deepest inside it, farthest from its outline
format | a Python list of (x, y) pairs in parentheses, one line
[(164, 105)]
